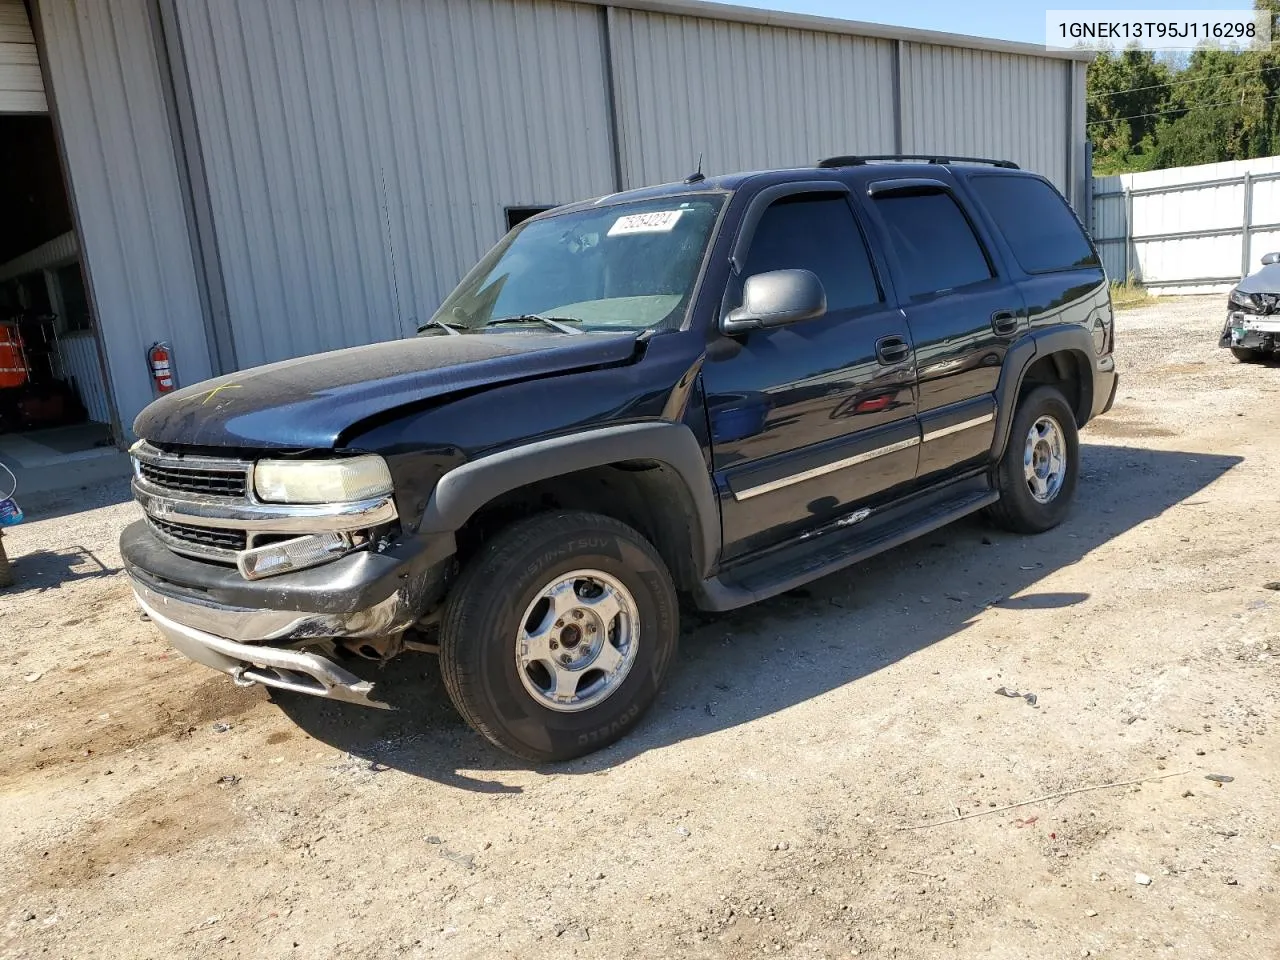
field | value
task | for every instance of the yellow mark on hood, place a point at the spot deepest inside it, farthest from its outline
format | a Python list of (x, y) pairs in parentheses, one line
[(216, 390)]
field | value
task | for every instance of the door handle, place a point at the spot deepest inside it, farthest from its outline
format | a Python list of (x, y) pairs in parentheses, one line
[(1004, 323), (891, 350)]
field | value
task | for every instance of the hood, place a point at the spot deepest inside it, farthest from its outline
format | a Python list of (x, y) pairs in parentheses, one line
[(1266, 280), (310, 401)]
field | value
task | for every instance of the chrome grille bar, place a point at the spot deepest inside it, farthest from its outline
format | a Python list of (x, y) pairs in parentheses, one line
[(206, 508)]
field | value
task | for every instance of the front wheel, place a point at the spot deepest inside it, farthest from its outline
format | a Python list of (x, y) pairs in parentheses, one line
[(1248, 354), (1037, 475), (557, 636)]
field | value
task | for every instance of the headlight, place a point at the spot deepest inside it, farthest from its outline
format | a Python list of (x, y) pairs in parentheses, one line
[(1240, 301), (321, 481)]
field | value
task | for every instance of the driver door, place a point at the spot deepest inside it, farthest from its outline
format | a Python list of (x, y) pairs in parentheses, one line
[(811, 421)]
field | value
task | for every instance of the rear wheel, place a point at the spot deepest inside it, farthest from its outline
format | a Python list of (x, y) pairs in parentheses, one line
[(557, 636), (1248, 355), (1037, 475)]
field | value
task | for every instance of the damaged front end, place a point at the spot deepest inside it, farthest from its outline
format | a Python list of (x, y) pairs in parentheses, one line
[(241, 581), (1253, 321)]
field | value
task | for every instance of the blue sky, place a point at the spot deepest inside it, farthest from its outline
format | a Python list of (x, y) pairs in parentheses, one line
[(982, 18)]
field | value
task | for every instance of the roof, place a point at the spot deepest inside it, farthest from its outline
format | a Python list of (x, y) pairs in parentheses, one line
[(883, 168), (857, 28)]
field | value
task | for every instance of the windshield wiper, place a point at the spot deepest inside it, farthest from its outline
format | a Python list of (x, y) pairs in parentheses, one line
[(448, 328), (555, 323)]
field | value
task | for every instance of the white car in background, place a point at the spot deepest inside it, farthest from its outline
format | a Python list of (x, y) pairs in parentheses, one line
[(1252, 331)]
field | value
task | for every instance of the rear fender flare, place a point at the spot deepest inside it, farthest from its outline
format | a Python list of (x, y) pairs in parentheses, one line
[(465, 489), (1065, 338)]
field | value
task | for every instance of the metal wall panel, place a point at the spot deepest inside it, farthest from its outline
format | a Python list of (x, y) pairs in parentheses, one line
[(980, 103), (111, 118), (359, 154), (746, 97), (1077, 133), (51, 253), (79, 355), (21, 86), (1108, 229), (1187, 200)]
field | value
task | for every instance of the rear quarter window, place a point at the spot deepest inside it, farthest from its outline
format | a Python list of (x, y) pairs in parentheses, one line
[(1041, 229)]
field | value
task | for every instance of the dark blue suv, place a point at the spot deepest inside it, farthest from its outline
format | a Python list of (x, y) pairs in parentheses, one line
[(721, 388)]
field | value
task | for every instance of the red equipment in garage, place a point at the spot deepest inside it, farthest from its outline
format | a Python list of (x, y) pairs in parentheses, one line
[(32, 394), (14, 371)]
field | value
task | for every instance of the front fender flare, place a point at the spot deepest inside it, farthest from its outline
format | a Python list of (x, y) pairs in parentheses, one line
[(465, 489)]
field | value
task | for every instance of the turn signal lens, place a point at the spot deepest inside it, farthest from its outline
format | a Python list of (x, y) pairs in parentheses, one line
[(289, 555)]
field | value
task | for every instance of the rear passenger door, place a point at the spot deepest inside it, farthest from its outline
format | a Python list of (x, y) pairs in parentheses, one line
[(812, 419), (1058, 271), (962, 314)]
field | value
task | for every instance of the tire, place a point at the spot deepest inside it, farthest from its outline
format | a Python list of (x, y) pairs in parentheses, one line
[(502, 608), (1248, 355), (1018, 508)]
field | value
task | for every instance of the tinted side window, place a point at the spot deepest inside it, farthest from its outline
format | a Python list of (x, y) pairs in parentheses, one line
[(1037, 223), (934, 242), (819, 235)]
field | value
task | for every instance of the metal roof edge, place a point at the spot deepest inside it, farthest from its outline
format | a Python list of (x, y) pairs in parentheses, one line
[(857, 28)]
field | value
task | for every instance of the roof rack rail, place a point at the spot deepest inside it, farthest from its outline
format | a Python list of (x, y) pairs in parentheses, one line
[(857, 161)]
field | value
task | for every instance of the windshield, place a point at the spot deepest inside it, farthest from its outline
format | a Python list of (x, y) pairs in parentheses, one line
[(626, 266)]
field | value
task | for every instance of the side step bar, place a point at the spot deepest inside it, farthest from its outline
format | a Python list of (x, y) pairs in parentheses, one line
[(796, 565)]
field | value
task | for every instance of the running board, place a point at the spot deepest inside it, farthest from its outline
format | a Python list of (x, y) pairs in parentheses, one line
[(797, 564)]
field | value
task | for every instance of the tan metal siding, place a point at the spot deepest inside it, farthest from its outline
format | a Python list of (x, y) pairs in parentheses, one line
[(987, 104), (124, 184), (360, 154), (745, 96), (21, 87)]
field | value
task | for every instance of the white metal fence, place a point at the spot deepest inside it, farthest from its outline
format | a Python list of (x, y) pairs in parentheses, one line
[(1189, 229)]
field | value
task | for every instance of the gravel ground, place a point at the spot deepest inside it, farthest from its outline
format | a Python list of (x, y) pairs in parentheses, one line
[(787, 792)]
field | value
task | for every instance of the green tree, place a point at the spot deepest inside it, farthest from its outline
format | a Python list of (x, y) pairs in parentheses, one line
[(1125, 93), (1223, 109), (1204, 107)]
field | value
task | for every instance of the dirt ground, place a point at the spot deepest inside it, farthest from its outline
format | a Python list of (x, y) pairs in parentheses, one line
[(781, 796)]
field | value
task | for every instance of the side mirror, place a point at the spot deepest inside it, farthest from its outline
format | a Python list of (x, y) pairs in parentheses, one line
[(776, 298), (1270, 258)]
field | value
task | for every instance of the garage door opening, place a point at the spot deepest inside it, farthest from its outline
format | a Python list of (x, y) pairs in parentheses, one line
[(54, 404)]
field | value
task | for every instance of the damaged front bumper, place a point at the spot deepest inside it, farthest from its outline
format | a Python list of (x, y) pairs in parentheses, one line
[(260, 631), (248, 663), (1250, 331)]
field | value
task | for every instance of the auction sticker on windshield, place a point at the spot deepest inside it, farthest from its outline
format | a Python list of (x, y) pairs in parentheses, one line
[(659, 221)]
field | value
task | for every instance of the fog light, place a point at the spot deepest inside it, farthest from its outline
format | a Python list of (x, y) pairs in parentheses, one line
[(289, 555)]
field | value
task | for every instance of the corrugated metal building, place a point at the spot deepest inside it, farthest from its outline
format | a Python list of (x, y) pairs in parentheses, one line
[(259, 179)]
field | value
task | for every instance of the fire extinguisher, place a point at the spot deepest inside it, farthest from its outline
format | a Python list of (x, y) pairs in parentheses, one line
[(160, 362)]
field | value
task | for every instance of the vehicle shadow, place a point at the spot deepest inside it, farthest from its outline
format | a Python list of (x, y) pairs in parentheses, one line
[(736, 667), (49, 569)]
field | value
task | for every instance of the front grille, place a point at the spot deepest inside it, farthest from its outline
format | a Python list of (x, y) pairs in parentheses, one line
[(219, 483), (202, 539)]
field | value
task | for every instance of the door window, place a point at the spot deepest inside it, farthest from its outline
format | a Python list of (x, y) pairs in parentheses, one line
[(934, 241), (1037, 222), (817, 233)]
